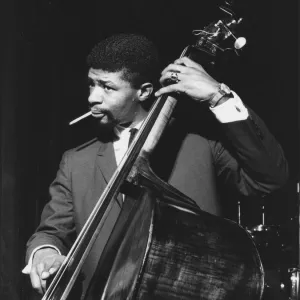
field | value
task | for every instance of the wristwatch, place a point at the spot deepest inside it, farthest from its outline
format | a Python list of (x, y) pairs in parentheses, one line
[(223, 90)]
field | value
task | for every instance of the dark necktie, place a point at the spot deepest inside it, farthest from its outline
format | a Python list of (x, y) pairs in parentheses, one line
[(132, 131)]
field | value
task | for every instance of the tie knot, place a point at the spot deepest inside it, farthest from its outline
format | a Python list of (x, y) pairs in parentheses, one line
[(133, 132)]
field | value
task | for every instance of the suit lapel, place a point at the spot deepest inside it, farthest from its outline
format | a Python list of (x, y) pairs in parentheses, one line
[(107, 164), (106, 160)]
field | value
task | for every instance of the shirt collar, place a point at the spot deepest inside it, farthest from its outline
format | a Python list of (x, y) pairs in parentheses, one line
[(119, 129)]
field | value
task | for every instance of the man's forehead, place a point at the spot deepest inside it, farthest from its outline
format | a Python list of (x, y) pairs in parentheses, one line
[(105, 75)]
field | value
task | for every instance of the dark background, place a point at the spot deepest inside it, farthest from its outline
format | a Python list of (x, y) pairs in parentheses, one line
[(43, 87)]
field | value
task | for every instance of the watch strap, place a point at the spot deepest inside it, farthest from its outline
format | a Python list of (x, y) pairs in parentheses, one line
[(223, 91)]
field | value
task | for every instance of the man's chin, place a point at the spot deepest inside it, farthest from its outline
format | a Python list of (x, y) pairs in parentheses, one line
[(103, 128), (104, 124)]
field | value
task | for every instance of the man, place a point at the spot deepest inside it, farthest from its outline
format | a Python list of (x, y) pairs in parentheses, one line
[(244, 157)]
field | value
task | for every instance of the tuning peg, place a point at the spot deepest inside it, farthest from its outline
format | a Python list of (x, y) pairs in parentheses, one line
[(227, 10), (240, 43)]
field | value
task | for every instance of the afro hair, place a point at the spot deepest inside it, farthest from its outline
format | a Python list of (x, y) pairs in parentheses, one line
[(133, 54)]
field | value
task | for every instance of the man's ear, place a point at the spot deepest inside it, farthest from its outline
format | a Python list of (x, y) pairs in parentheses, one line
[(145, 91)]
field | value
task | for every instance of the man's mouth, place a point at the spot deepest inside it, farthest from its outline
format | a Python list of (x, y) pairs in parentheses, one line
[(97, 113)]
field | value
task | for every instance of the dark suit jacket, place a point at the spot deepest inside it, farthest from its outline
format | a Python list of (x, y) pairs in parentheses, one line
[(245, 159)]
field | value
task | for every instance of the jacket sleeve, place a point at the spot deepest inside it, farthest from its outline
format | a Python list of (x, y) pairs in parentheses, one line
[(57, 226), (249, 160)]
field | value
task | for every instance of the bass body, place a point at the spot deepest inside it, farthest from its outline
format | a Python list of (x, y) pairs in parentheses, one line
[(164, 247)]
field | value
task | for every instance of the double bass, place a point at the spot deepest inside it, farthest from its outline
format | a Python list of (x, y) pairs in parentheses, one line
[(163, 246)]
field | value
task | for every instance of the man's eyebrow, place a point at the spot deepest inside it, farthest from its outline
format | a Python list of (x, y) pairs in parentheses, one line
[(102, 81), (105, 81)]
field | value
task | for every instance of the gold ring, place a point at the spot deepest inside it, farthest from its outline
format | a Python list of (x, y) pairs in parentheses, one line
[(174, 77)]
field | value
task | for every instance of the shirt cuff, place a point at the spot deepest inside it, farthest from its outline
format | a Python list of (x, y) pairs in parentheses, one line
[(231, 110), (27, 269)]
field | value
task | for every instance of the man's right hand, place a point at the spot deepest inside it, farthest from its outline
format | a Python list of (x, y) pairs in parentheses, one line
[(46, 262)]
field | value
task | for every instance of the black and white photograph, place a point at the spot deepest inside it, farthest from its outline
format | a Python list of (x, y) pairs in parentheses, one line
[(149, 150)]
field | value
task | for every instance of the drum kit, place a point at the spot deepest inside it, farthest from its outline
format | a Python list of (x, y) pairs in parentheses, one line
[(278, 246)]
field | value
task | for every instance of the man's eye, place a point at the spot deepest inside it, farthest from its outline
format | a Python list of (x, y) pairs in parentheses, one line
[(107, 88), (91, 85)]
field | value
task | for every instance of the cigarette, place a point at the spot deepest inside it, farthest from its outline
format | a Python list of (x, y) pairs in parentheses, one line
[(80, 118)]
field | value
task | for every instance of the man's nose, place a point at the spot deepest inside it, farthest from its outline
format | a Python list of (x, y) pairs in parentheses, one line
[(96, 95)]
